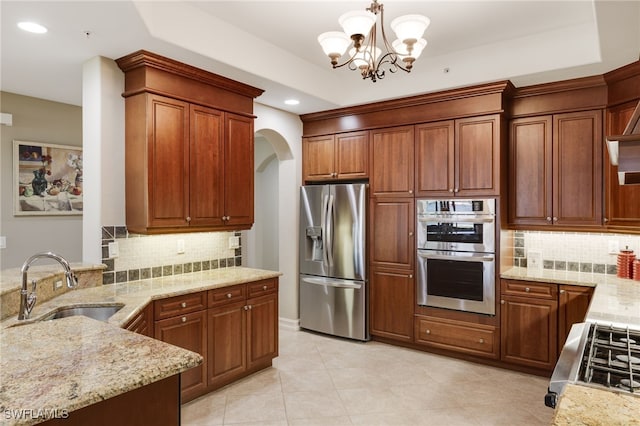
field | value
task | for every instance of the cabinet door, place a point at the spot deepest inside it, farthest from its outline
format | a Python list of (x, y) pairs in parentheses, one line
[(142, 323), (477, 162), (622, 207), (206, 166), (434, 147), (352, 155), (189, 332), (318, 158), (262, 330), (227, 343), (529, 328), (577, 168), (530, 174), (238, 170), (392, 233), (392, 162), (392, 303), (168, 166), (573, 303)]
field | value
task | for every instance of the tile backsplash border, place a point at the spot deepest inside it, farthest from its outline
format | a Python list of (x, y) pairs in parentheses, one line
[(113, 275), (571, 251)]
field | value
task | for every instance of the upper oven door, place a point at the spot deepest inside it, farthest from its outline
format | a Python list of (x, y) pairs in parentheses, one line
[(465, 225), (461, 281)]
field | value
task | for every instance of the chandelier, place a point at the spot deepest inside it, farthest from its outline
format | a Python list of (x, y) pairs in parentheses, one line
[(360, 31)]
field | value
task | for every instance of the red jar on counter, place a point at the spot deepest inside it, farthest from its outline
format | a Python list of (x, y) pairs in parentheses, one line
[(636, 269), (625, 263)]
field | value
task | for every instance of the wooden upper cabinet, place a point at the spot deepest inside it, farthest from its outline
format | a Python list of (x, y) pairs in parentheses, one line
[(622, 202), (458, 158), (477, 156), (391, 159), (530, 174), (435, 159), (577, 168), (342, 156), (555, 175), (189, 153)]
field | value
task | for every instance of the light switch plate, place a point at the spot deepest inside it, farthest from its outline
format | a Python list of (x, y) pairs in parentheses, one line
[(234, 242), (114, 250), (534, 262), (180, 246)]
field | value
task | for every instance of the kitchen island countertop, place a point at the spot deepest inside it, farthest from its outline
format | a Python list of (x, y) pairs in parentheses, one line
[(584, 405)]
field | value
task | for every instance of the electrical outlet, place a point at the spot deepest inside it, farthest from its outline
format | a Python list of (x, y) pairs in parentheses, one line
[(234, 242), (534, 261), (57, 284), (114, 250), (180, 246), (614, 246)]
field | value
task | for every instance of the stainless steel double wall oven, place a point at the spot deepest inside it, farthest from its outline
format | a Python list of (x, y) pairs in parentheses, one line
[(456, 258)]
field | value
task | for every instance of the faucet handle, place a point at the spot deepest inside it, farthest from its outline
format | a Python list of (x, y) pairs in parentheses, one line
[(31, 298), (72, 279)]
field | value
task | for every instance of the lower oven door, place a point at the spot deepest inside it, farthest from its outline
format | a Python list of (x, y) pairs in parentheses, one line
[(463, 281)]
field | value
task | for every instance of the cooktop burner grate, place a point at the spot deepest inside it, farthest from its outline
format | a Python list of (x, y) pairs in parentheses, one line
[(612, 358)]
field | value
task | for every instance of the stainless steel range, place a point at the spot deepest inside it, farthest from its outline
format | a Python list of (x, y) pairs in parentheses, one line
[(598, 355)]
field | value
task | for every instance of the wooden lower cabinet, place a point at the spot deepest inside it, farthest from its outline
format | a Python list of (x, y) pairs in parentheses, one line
[(234, 328), (573, 304), (187, 331), (529, 324), (142, 323), (243, 336), (475, 339), (392, 300)]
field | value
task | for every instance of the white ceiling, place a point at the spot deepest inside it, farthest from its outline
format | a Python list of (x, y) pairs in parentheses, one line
[(272, 44)]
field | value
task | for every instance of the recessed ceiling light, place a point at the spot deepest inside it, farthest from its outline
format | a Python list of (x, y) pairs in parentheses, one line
[(32, 27), (292, 102)]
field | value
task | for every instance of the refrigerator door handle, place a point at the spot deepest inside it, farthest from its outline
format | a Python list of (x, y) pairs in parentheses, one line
[(325, 235), (332, 282), (329, 229)]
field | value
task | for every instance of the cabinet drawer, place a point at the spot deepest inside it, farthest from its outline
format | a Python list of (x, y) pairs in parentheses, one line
[(263, 287), (179, 305), (226, 295), (457, 336), (529, 289)]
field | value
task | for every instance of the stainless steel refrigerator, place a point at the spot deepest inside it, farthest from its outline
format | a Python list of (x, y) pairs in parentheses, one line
[(332, 260)]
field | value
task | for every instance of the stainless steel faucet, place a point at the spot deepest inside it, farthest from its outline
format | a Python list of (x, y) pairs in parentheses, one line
[(28, 299)]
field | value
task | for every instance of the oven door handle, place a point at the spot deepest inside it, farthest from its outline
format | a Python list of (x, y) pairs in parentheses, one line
[(457, 219), (485, 258)]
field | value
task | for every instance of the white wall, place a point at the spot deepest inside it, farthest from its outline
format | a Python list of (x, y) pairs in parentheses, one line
[(284, 131)]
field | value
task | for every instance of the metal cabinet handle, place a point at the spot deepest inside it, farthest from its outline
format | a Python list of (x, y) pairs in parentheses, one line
[(555, 219), (411, 191), (250, 307), (264, 287), (562, 291), (410, 275), (183, 304), (527, 289), (481, 341), (411, 233), (246, 308), (427, 331), (456, 190), (228, 295), (188, 218), (184, 319), (548, 218), (502, 302), (606, 220), (450, 189)]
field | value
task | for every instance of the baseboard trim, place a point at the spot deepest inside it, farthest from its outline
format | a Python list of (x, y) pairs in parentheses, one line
[(289, 324)]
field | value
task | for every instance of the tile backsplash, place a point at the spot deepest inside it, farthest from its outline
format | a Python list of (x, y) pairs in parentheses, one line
[(573, 251), (152, 256)]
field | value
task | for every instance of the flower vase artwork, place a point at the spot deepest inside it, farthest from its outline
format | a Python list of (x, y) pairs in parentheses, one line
[(39, 183), (75, 161)]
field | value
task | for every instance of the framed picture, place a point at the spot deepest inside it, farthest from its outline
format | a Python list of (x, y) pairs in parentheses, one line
[(47, 179)]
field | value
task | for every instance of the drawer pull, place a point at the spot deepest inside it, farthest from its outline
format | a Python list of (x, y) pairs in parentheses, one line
[(184, 319), (427, 331), (183, 304), (527, 289), (481, 341), (561, 291), (264, 287), (228, 295), (502, 302), (250, 307)]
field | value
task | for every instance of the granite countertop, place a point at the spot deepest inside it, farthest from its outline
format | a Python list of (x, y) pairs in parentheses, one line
[(615, 301), (585, 405), (70, 363), (135, 295)]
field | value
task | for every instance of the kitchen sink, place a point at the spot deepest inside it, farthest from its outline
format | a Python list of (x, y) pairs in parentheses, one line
[(98, 312)]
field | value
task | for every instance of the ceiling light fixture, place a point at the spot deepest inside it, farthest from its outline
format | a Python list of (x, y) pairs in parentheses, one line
[(292, 102), (360, 29), (32, 27)]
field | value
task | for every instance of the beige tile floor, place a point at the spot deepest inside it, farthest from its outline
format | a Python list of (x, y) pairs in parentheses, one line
[(320, 380)]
